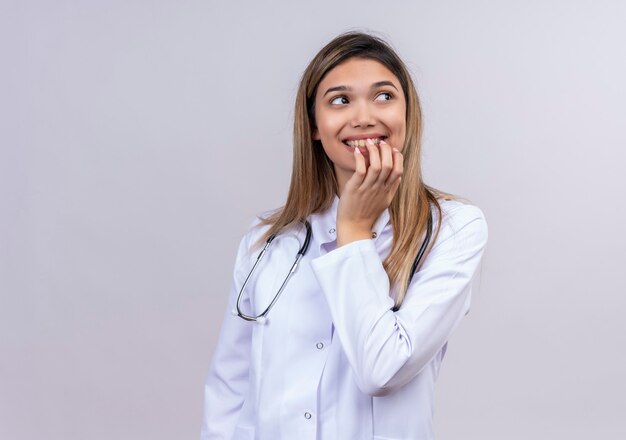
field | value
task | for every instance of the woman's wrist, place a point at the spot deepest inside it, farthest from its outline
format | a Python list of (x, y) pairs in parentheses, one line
[(348, 233)]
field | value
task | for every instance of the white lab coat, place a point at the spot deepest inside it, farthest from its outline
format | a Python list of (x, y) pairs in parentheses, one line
[(333, 361)]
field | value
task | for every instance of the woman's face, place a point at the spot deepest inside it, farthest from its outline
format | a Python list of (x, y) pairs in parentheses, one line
[(357, 100)]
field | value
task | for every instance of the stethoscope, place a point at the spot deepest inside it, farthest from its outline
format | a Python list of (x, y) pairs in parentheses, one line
[(262, 317)]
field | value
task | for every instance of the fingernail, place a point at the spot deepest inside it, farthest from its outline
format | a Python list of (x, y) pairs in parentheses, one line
[(357, 151), (396, 150)]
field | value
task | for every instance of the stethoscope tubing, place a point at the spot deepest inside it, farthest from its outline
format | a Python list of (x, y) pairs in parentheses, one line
[(423, 247), (303, 249), (262, 318)]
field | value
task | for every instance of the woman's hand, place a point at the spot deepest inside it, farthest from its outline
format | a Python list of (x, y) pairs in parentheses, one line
[(368, 192)]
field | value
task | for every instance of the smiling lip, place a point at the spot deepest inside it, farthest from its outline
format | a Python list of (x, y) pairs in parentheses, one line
[(361, 140)]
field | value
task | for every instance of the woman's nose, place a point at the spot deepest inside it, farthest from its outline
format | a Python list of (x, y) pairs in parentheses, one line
[(363, 116)]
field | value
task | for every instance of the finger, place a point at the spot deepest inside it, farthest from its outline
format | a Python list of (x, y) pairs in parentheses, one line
[(398, 167), (360, 169), (374, 168), (386, 161), (393, 188)]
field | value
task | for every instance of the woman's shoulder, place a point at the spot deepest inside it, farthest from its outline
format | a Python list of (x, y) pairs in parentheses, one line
[(459, 210), (259, 226), (461, 217)]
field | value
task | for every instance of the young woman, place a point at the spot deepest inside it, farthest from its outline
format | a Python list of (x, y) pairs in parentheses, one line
[(348, 344)]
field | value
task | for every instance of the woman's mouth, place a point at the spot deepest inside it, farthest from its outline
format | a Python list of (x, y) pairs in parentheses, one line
[(363, 142)]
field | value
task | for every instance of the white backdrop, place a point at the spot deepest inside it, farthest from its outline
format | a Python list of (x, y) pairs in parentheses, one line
[(138, 139)]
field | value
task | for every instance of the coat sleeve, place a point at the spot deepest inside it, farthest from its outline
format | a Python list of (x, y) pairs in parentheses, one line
[(227, 380), (387, 349)]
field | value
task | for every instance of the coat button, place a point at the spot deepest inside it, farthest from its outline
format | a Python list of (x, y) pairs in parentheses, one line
[(331, 230), (307, 415), (319, 345), (374, 235)]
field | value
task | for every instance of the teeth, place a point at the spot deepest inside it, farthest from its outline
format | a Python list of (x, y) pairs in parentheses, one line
[(362, 142)]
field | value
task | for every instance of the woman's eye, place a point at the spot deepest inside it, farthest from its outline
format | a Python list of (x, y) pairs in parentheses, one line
[(339, 100), (385, 96)]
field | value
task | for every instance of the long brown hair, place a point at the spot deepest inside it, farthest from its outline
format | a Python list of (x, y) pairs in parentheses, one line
[(313, 185)]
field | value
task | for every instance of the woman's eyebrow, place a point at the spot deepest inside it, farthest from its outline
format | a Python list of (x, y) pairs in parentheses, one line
[(383, 83), (347, 89), (337, 89)]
